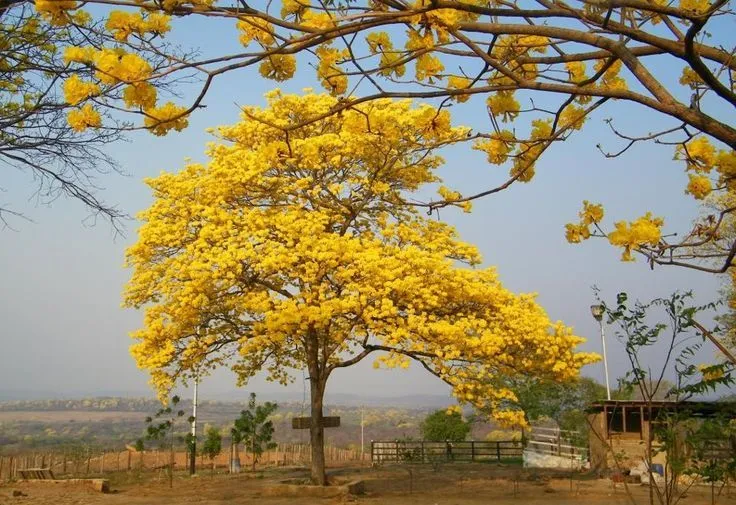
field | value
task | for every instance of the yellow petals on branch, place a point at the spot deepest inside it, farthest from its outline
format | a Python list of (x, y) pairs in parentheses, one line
[(293, 7), (329, 72), (611, 79), (498, 147), (83, 118), (73, 54), (504, 104), (699, 186), (699, 154), (76, 90), (645, 231), (116, 66), (458, 82), (255, 28), (319, 21), (378, 42), (572, 117), (278, 67), (56, 12), (695, 6), (591, 213), (161, 120), (124, 24), (140, 94), (576, 70), (428, 67)]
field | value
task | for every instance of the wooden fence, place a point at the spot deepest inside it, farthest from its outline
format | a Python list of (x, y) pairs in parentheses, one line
[(429, 452), (81, 464), (555, 442)]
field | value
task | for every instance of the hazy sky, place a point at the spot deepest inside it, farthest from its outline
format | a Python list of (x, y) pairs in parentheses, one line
[(62, 329)]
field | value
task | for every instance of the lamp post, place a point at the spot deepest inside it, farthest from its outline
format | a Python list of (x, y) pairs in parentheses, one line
[(193, 448), (597, 311)]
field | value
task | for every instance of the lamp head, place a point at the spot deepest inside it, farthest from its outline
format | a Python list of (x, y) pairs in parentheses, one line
[(597, 311)]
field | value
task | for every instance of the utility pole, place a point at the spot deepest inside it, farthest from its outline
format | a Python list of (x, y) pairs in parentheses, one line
[(193, 448), (597, 311), (362, 438)]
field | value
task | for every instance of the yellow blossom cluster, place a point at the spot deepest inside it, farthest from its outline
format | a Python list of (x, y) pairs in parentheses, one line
[(159, 120), (298, 250), (83, 118), (278, 67), (329, 72), (590, 214), (76, 90), (254, 28), (123, 24), (56, 11), (646, 230), (711, 372)]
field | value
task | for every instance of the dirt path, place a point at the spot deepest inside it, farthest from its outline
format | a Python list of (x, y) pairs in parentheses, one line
[(456, 485)]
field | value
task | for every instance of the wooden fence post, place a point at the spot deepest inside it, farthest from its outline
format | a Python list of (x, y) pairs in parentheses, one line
[(498, 451)]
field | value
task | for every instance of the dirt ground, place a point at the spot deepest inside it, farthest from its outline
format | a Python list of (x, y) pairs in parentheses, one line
[(460, 484)]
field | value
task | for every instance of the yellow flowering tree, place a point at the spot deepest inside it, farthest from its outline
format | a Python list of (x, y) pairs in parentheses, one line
[(294, 248), (540, 69)]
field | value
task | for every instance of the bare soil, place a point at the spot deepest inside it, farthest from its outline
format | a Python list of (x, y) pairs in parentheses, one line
[(459, 484)]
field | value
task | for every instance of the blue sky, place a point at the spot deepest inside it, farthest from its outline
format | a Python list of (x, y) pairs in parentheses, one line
[(60, 280)]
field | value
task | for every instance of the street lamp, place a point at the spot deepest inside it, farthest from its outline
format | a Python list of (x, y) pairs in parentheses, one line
[(597, 311), (193, 448)]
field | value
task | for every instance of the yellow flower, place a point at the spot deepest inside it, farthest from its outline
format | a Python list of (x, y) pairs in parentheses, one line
[(699, 154), (279, 67), (699, 186), (591, 213), (86, 117), (293, 7), (644, 231), (330, 74), (428, 67), (140, 94), (503, 103), (498, 147), (55, 11), (457, 82), (73, 54), (255, 28), (160, 120), (123, 24), (76, 90)]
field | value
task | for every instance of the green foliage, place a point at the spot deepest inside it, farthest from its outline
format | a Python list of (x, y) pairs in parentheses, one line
[(692, 446), (680, 339), (212, 443), (442, 425), (160, 427), (254, 429)]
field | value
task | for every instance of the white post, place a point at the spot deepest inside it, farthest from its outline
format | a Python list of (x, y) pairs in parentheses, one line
[(362, 439), (605, 361), (193, 455)]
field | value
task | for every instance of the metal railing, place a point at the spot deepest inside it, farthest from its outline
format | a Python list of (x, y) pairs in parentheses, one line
[(421, 451)]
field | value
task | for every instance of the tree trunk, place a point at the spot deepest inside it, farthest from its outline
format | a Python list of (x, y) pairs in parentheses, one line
[(317, 431)]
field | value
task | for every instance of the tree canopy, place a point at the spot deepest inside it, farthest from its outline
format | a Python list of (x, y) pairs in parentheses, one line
[(446, 424), (541, 67), (295, 248)]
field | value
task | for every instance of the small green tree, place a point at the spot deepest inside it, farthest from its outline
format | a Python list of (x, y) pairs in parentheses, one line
[(254, 429), (212, 445), (161, 427), (444, 425), (686, 442)]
